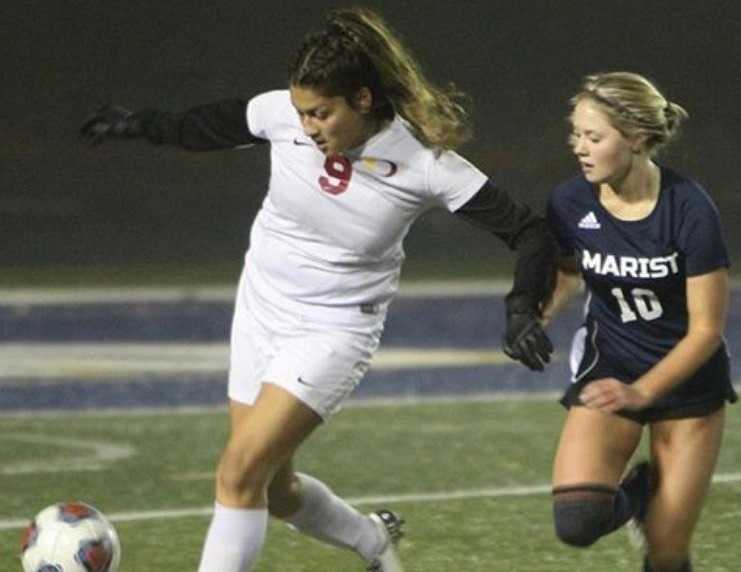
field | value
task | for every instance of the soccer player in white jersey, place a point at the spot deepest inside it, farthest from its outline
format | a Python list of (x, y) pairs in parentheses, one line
[(649, 246), (361, 145)]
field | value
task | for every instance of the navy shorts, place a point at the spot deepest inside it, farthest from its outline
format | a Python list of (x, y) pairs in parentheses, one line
[(700, 395)]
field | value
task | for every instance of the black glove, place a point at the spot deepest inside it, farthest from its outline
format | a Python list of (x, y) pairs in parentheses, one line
[(108, 122), (524, 339)]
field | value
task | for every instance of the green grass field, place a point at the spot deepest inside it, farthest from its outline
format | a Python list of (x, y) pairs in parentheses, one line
[(471, 478)]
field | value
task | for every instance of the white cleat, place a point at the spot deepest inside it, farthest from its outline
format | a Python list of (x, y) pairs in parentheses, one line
[(390, 526), (636, 535)]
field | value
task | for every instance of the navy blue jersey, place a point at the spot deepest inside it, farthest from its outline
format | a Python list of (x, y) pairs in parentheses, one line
[(636, 272)]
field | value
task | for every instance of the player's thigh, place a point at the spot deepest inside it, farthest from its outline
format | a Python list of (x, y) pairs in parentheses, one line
[(270, 430), (594, 447), (238, 412), (685, 452), (284, 488)]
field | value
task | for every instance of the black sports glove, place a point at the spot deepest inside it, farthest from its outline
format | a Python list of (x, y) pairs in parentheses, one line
[(109, 122), (524, 339)]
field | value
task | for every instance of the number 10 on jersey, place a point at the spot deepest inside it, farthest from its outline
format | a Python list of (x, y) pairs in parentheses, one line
[(640, 302)]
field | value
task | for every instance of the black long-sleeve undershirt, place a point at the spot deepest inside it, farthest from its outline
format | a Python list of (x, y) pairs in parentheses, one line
[(210, 127), (492, 209)]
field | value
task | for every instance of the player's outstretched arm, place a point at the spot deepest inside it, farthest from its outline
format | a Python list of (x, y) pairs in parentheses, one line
[(110, 122), (218, 125), (494, 210)]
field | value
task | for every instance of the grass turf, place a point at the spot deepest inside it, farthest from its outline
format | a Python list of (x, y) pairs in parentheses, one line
[(366, 451)]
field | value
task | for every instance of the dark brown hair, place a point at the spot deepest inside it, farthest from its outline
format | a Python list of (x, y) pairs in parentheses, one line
[(357, 49)]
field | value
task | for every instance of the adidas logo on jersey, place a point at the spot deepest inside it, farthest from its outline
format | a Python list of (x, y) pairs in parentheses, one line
[(589, 221)]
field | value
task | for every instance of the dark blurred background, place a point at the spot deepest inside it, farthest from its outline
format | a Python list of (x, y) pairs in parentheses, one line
[(64, 205)]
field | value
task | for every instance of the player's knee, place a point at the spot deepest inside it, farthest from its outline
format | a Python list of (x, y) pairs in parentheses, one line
[(243, 473), (580, 521)]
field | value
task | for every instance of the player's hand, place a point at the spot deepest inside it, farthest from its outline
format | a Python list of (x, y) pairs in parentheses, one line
[(524, 339), (110, 122), (611, 395)]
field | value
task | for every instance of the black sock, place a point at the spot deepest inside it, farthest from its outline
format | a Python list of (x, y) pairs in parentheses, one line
[(686, 567), (625, 508)]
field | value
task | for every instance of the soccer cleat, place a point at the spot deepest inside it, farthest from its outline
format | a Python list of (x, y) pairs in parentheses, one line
[(640, 485), (391, 526), (636, 535)]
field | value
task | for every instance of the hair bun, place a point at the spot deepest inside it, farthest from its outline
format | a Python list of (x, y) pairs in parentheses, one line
[(674, 115)]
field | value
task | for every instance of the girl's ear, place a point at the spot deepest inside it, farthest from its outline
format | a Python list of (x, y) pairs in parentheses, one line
[(363, 100), (638, 142)]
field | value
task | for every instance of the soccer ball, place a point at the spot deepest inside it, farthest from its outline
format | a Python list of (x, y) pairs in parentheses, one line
[(70, 537)]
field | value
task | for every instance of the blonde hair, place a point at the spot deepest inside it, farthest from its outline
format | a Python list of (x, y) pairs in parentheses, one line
[(357, 49), (634, 106)]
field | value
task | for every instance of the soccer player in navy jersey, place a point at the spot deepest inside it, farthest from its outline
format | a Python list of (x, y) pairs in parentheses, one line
[(361, 145), (647, 243)]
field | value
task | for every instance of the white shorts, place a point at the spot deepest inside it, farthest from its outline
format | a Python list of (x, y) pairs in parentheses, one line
[(317, 354)]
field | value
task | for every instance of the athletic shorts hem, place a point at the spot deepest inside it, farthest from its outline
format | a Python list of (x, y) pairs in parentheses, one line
[(652, 414)]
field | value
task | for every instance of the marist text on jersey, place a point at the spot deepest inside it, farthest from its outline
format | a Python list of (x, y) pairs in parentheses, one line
[(630, 266)]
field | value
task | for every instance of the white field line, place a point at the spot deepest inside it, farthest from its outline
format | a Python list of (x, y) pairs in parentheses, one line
[(463, 494), (93, 361), (91, 455), (414, 289)]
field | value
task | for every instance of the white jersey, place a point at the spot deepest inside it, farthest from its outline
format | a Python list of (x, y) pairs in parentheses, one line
[(330, 229)]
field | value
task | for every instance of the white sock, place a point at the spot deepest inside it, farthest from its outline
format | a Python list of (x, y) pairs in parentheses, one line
[(327, 517), (234, 539)]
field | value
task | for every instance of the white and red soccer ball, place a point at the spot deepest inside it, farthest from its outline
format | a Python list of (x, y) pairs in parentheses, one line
[(70, 537)]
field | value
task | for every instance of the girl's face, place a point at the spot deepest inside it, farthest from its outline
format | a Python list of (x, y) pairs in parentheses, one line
[(331, 122), (606, 155)]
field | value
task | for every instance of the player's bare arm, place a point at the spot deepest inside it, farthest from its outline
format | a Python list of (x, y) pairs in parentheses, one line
[(707, 303), (567, 284)]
